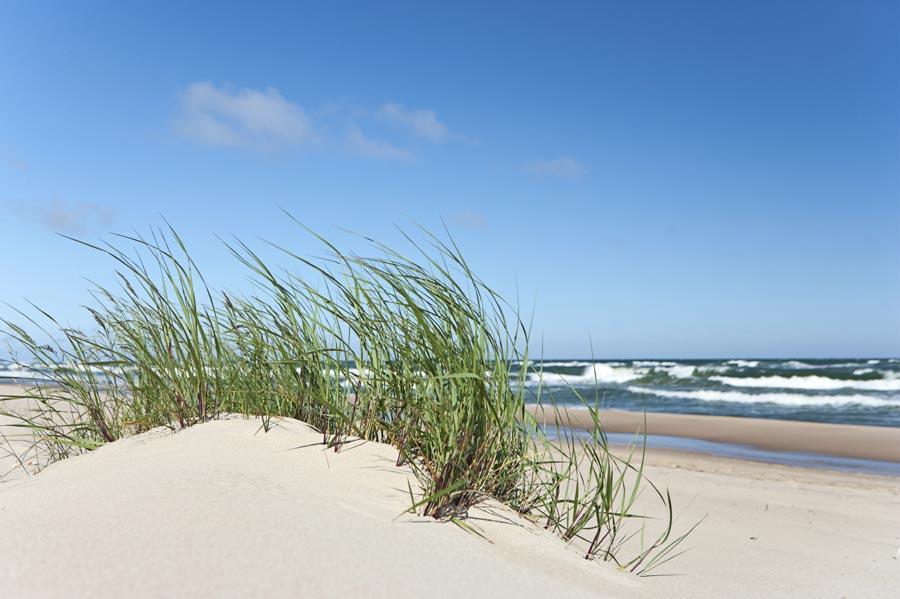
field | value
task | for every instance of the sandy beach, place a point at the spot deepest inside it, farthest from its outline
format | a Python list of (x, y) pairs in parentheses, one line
[(224, 509), (779, 531), (841, 440)]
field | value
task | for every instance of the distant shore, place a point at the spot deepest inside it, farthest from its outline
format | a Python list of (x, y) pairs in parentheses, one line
[(839, 440)]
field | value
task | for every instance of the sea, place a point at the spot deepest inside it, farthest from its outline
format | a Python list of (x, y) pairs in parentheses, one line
[(852, 391)]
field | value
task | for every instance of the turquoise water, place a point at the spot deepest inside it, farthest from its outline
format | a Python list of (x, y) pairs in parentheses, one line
[(854, 391)]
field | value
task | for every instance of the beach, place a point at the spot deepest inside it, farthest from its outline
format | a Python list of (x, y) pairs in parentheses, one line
[(770, 530), (855, 442), (225, 509)]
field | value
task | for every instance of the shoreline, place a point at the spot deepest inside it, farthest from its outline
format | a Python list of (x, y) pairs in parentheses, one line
[(847, 441), (799, 441)]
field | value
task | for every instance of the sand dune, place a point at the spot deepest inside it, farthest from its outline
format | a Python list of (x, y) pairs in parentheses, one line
[(223, 510)]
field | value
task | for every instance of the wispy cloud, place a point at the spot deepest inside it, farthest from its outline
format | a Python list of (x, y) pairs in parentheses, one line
[(223, 116), (73, 218), (565, 167), (420, 123), (263, 119), (375, 148)]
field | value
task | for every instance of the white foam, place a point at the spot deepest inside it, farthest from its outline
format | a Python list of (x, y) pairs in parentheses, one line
[(860, 371), (797, 365), (787, 399), (811, 383), (21, 373), (714, 368), (873, 361), (562, 364), (680, 372), (593, 373), (743, 363)]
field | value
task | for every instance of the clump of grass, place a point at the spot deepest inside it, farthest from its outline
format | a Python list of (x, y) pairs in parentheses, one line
[(413, 351)]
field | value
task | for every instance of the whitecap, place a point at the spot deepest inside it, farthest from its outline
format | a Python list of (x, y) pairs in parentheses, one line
[(797, 365), (21, 373), (788, 399), (594, 373), (743, 363), (684, 371), (817, 383), (714, 368)]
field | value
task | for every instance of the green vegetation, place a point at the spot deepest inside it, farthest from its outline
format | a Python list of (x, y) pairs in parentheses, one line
[(415, 352)]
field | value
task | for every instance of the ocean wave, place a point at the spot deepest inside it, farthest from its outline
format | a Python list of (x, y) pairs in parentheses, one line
[(562, 364), (612, 372), (714, 368), (684, 371), (797, 365), (21, 373), (744, 363), (788, 399), (810, 383), (594, 373)]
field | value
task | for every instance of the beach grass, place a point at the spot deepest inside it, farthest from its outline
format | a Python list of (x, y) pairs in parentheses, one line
[(415, 351)]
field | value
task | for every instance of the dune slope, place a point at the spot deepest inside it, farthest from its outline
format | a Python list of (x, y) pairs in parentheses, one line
[(223, 509)]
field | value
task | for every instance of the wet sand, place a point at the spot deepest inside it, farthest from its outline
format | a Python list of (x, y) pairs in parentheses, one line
[(840, 440)]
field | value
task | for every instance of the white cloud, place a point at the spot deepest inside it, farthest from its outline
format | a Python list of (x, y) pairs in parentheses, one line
[(374, 148), (73, 218), (264, 119), (222, 116), (421, 123), (564, 166)]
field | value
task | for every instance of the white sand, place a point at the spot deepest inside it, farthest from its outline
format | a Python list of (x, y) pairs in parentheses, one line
[(780, 531), (224, 510)]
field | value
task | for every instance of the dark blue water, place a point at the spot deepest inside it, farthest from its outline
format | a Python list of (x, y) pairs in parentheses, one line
[(852, 391)]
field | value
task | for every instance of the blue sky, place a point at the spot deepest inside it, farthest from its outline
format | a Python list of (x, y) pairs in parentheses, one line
[(666, 179)]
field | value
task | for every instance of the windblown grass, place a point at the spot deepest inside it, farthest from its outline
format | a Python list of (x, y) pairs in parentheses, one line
[(412, 351)]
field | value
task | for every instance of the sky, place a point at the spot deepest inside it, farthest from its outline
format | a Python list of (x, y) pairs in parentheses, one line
[(647, 179)]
